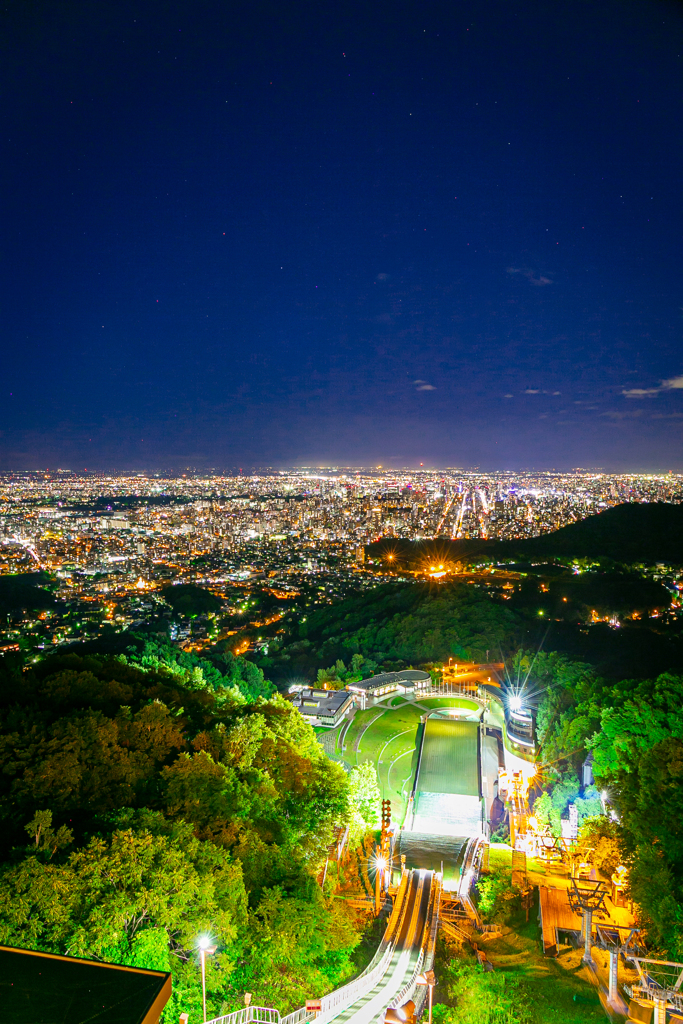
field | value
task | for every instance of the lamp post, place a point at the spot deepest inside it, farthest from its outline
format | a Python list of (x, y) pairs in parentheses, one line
[(427, 978), (380, 865), (205, 949)]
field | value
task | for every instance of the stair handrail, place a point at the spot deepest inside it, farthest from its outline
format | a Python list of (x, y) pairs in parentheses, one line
[(259, 1014), (436, 910), (302, 1014)]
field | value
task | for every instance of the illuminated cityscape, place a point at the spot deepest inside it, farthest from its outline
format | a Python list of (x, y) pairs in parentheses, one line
[(112, 542)]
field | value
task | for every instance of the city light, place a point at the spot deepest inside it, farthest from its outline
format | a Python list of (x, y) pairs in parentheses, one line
[(114, 542)]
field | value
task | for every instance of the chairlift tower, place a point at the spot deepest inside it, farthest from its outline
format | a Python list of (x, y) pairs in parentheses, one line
[(587, 899), (610, 939), (659, 982)]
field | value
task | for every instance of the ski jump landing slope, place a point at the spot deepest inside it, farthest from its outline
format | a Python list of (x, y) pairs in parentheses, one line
[(448, 790)]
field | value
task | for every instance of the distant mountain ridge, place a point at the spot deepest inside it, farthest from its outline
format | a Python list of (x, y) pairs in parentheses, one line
[(642, 532)]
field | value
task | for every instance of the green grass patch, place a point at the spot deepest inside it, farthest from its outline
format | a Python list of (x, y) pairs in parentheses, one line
[(524, 987), (449, 702), (360, 720), (500, 859), (387, 734), (389, 742)]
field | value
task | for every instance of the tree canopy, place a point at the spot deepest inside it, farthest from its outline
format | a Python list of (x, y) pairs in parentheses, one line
[(403, 623), (189, 599), (159, 806), (25, 592), (634, 731)]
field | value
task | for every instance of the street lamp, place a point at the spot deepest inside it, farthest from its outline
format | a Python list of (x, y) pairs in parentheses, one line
[(429, 979), (205, 949), (400, 1014), (380, 865)]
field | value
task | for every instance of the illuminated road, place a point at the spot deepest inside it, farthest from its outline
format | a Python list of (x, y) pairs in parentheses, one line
[(457, 529), (444, 517)]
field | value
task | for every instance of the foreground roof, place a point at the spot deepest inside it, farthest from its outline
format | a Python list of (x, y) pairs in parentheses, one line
[(41, 988)]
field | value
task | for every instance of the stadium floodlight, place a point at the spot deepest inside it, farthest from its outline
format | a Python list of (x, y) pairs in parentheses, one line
[(515, 702)]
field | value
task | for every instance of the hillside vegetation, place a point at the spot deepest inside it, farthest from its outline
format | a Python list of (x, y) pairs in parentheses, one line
[(396, 624), (142, 806), (629, 533)]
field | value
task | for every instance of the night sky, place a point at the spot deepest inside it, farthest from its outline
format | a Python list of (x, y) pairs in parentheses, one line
[(251, 234)]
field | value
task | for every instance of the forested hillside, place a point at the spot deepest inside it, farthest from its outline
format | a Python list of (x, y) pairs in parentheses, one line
[(416, 623), (647, 532), (402, 624), (141, 807)]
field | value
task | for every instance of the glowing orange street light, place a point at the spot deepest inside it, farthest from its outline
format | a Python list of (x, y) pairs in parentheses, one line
[(380, 866)]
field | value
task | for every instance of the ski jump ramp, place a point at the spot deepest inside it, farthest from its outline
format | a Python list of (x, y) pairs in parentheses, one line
[(406, 949)]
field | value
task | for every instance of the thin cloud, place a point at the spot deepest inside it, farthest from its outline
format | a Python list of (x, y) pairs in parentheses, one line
[(641, 392), (422, 385), (508, 396), (528, 273), (532, 391), (672, 384)]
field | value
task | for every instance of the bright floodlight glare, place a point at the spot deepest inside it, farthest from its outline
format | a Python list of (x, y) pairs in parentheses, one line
[(204, 942), (515, 703), (380, 863)]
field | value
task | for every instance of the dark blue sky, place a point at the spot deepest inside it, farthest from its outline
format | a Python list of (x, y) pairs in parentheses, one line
[(242, 234)]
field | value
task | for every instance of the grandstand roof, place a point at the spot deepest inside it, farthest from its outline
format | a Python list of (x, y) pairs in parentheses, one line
[(406, 677)]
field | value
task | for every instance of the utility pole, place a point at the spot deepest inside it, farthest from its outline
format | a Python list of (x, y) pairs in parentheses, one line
[(206, 948), (386, 826)]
